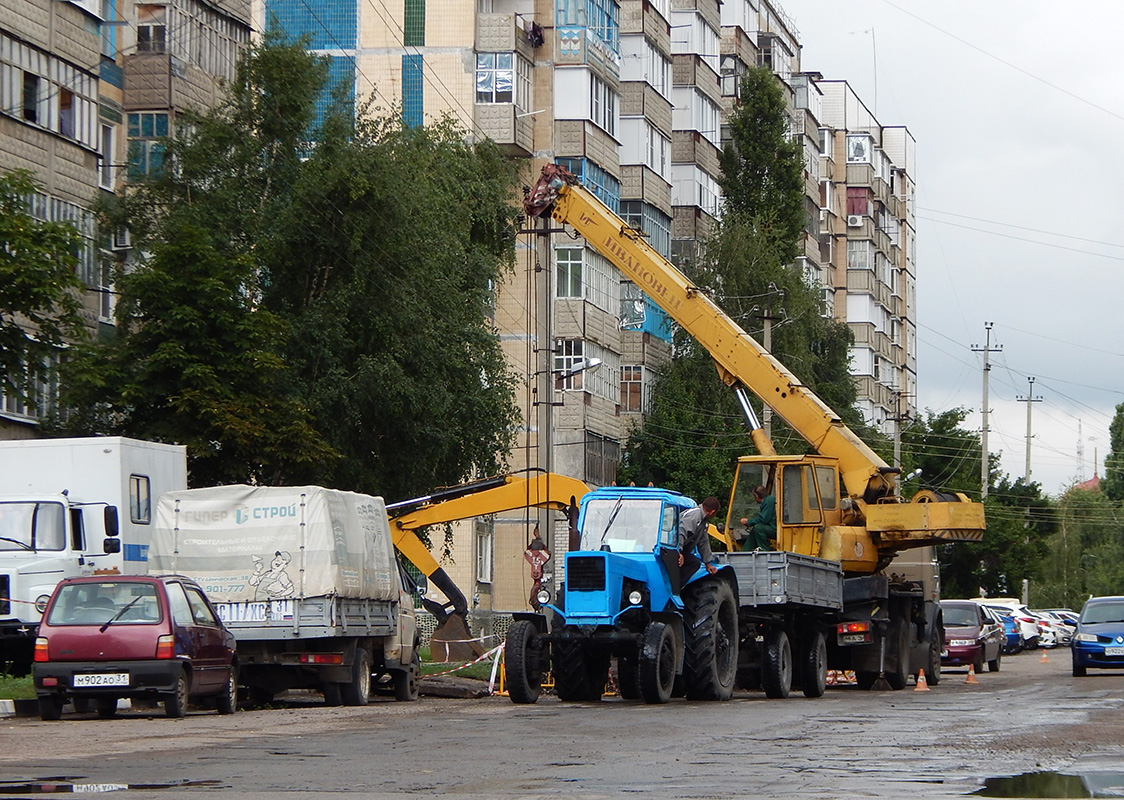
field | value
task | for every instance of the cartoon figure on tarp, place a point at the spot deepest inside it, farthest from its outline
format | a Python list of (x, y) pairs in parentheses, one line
[(536, 555), (274, 583)]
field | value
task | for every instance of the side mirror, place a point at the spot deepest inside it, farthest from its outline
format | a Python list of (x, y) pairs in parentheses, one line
[(112, 525), (111, 545)]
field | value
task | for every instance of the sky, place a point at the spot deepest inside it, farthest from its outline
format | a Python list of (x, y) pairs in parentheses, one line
[(1018, 113)]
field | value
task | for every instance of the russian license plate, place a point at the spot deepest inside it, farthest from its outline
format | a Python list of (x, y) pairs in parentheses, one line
[(102, 679), (853, 638), (1114, 651)]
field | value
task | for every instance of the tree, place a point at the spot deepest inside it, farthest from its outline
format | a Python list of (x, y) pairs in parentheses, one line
[(39, 292), (694, 429), (1113, 482), (296, 315)]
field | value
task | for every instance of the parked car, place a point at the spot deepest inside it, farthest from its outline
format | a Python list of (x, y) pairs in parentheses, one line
[(972, 635), (1028, 622), (1099, 640), (1013, 641), (103, 638), (1060, 629)]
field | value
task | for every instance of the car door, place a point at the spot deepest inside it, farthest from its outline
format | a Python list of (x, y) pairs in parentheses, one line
[(991, 633), (212, 650)]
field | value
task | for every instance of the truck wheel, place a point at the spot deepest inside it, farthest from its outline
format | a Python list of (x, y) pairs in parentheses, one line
[(357, 691), (776, 669), (331, 693), (710, 660), (50, 707), (814, 666), (899, 677), (628, 677), (523, 662), (406, 680), (657, 663), (175, 704), (933, 668)]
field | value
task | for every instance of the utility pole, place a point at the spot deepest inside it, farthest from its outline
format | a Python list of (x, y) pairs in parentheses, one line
[(1030, 400), (767, 341), (987, 349)]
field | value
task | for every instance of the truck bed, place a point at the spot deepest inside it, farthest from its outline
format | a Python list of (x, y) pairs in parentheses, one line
[(778, 578), (308, 618)]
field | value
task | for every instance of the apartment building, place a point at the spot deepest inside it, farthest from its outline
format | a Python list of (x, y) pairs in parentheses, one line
[(87, 88)]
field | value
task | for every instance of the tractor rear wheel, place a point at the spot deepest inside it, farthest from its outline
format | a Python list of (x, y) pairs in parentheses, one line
[(710, 660)]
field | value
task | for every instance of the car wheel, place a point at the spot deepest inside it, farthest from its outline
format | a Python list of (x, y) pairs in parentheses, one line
[(227, 702), (993, 665), (357, 691), (1079, 671), (1031, 643), (50, 707), (106, 707), (175, 704)]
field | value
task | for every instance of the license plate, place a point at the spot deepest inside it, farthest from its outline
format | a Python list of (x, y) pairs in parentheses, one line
[(102, 679), (854, 638), (1114, 651)]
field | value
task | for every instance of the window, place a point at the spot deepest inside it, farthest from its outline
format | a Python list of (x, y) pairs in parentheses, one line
[(655, 224), (567, 355), (147, 129), (632, 388), (569, 266), (603, 105), (151, 29), (31, 97), (595, 178), (200, 611), (66, 112), (634, 309), (485, 530), (177, 600), (495, 77), (602, 457), (859, 148), (140, 499), (858, 200), (105, 157)]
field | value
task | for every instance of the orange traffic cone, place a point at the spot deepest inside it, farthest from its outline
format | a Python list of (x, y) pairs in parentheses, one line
[(922, 684), (1045, 660), (971, 674)]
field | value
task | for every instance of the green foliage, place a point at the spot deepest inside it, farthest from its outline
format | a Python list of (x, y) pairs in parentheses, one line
[(695, 429), (1113, 482), (311, 312), (1086, 552), (39, 300), (13, 688), (947, 455)]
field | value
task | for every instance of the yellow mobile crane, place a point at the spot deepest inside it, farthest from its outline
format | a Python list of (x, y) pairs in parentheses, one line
[(839, 503)]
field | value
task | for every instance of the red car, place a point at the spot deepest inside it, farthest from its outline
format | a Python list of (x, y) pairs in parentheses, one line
[(972, 635), (107, 637)]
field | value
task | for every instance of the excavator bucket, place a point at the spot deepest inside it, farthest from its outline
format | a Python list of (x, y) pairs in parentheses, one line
[(451, 640)]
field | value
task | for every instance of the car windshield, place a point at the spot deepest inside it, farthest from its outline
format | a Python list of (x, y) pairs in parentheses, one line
[(31, 526), (1103, 612), (98, 603), (960, 616), (623, 525)]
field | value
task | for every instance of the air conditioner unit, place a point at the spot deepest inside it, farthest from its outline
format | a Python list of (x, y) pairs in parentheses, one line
[(854, 221), (121, 240)]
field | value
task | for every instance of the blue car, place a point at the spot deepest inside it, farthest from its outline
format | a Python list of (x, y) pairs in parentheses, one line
[(1013, 635), (1099, 638)]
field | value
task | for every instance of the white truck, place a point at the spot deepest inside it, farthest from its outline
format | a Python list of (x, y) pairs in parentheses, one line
[(307, 580), (69, 507)]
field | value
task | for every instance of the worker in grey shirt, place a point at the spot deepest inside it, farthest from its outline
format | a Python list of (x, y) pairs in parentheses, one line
[(692, 534)]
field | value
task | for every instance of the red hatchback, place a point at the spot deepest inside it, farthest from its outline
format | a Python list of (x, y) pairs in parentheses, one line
[(108, 637)]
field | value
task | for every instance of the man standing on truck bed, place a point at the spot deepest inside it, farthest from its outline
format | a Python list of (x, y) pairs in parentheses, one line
[(692, 534)]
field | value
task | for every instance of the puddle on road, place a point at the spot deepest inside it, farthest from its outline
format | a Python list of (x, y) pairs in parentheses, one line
[(76, 786), (1055, 784)]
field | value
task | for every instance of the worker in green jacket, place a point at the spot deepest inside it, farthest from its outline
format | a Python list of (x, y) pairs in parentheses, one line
[(762, 526)]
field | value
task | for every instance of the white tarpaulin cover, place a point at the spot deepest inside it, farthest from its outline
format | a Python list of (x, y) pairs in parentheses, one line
[(246, 543)]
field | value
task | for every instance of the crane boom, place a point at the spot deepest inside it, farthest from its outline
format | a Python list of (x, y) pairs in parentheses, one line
[(873, 513)]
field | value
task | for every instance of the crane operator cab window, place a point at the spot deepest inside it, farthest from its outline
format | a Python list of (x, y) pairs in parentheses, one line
[(744, 504), (800, 503)]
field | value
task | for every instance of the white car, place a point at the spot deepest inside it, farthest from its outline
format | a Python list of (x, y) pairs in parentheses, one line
[(1027, 620), (1060, 623)]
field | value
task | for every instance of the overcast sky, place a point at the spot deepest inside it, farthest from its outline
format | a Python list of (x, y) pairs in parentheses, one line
[(1018, 113)]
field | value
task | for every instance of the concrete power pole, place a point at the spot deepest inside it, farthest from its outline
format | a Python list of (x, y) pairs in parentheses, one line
[(1030, 400), (987, 349)]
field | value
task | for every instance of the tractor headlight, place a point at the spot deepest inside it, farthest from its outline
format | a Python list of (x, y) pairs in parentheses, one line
[(635, 597), (543, 596)]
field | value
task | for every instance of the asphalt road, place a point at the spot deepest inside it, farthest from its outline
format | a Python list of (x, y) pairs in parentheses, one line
[(1030, 717)]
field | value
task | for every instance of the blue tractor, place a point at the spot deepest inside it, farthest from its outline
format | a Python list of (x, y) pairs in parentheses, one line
[(626, 597)]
